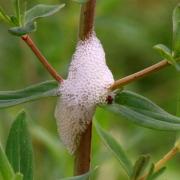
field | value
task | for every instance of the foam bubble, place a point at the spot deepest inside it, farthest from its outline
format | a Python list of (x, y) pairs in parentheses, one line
[(86, 86)]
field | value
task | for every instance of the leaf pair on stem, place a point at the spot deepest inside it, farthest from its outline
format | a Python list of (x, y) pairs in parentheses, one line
[(132, 106), (25, 20), (172, 55), (141, 170)]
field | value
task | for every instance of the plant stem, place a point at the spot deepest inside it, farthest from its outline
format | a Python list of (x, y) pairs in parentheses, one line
[(163, 161), (166, 158), (134, 77), (83, 153), (87, 19), (42, 59)]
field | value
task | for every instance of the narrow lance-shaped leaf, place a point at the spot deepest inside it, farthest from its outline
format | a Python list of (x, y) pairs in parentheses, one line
[(178, 105), (157, 174), (20, 31), (42, 90), (166, 53), (144, 112), (4, 16), (40, 11), (140, 166), (14, 20), (18, 11), (151, 171), (19, 147), (176, 31), (6, 170), (29, 24), (115, 147), (177, 143)]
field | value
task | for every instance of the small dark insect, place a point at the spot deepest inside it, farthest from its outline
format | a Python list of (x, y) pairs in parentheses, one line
[(109, 99)]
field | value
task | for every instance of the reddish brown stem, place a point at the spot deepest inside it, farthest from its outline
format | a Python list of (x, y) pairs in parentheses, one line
[(163, 161), (87, 19), (133, 77), (42, 59), (82, 155)]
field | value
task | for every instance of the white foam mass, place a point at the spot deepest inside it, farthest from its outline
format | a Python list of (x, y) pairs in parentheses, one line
[(86, 86)]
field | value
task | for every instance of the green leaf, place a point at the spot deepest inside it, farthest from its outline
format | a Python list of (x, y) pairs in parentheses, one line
[(135, 100), (19, 147), (144, 112), (157, 174), (31, 15), (81, 177), (18, 176), (115, 147), (42, 90), (18, 12), (178, 105), (150, 172), (14, 20), (164, 51), (20, 31), (176, 31), (6, 170), (40, 11), (81, 1), (140, 166), (4, 17), (177, 143)]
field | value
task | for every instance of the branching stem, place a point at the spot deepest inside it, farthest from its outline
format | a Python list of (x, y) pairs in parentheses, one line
[(43, 60), (134, 77), (166, 158), (163, 161)]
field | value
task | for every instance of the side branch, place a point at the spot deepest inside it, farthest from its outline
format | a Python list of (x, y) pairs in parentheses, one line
[(166, 158), (133, 77), (42, 59), (163, 161), (87, 19)]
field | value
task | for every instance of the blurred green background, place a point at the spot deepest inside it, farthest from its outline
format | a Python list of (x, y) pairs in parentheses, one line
[(128, 30)]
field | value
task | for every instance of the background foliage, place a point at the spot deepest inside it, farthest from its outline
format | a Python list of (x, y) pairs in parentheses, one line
[(128, 29)]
